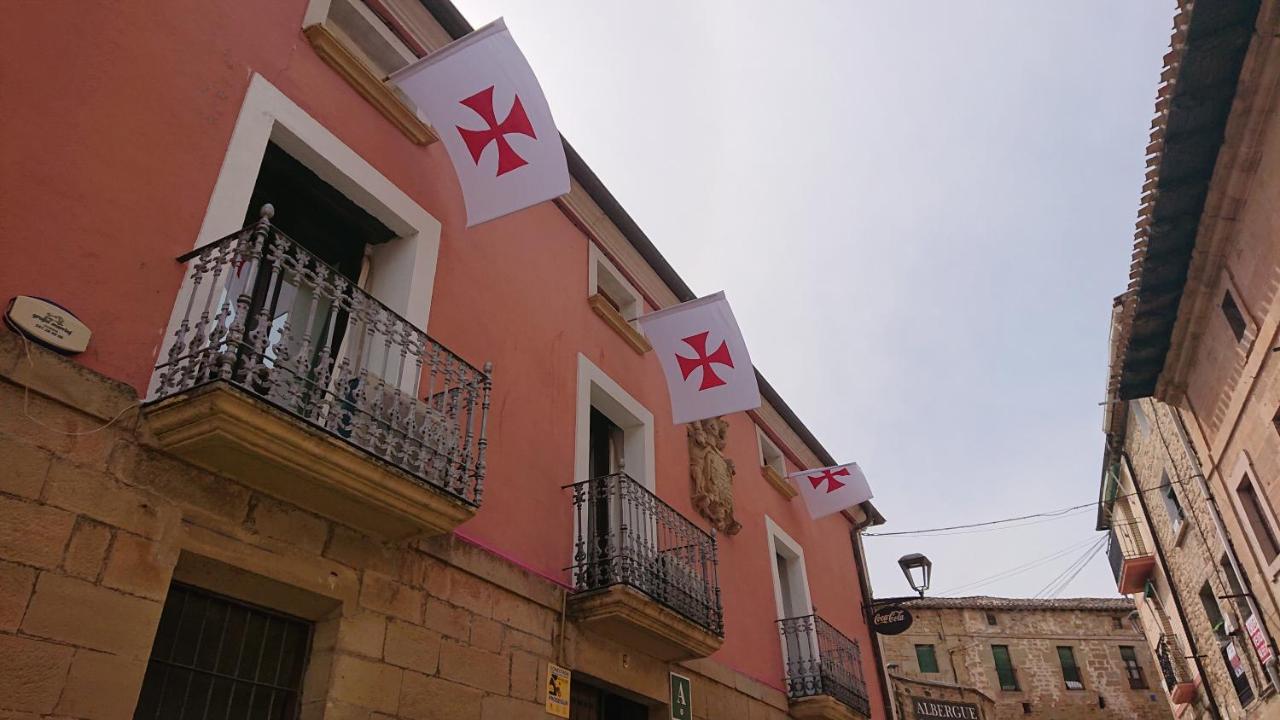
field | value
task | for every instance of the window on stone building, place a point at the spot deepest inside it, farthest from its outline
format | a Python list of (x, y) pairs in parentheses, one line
[(1235, 318), (1259, 523), (1117, 622), (1070, 671), (1275, 420), (1171, 504), (991, 619), (1132, 668), (218, 657), (1212, 610), (1026, 708), (927, 658), (1139, 417), (1007, 676)]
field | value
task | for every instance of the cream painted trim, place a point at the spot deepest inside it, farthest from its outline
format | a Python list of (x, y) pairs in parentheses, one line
[(1243, 466), (406, 266), (596, 389), (764, 441), (600, 264)]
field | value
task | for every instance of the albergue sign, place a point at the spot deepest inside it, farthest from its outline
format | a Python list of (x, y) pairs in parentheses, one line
[(930, 709)]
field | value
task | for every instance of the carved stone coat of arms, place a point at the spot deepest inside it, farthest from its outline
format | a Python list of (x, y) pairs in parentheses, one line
[(712, 473)]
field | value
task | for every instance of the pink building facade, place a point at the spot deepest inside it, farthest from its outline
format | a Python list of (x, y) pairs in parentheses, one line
[(137, 134)]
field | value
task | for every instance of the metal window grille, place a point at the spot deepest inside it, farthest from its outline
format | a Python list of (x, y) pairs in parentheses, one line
[(821, 660), (218, 658)]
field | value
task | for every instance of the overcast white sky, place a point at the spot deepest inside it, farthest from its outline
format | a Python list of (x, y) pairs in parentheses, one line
[(920, 212)]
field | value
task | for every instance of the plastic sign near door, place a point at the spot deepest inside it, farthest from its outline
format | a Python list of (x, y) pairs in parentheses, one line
[(681, 698), (557, 690), (1259, 639)]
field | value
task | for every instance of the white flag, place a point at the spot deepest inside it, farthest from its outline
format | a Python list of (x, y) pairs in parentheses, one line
[(830, 490), (702, 353), (484, 102)]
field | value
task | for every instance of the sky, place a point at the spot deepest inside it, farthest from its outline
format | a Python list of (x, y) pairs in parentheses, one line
[(920, 212)]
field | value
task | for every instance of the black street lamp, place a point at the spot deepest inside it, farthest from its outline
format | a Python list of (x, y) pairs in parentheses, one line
[(918, 569)]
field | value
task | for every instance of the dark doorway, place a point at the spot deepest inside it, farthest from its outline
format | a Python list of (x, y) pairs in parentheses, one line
[(588, 702)]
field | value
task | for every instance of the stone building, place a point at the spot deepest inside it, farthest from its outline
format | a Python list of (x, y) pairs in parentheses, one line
[(1013, 658), (343, 457), (1192, 458)]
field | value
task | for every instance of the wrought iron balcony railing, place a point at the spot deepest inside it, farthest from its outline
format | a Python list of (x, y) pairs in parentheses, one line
[(273, 320), (626, 535), (1129, 556), (820, 660), (1173, 668)]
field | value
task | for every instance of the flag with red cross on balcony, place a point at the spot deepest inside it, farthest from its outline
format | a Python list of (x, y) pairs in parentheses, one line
[(832, 489), (704, 358), (487, 107)]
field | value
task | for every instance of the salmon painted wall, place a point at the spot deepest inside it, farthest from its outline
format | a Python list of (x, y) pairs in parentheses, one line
[(115, 128)]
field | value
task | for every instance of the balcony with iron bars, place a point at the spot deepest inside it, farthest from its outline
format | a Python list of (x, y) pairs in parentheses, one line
[(1173, 668), (643, 574), (1131, 561), (286, 376), (824, 671)]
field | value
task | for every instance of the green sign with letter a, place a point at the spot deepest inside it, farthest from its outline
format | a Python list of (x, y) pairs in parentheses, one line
[(681, 698)]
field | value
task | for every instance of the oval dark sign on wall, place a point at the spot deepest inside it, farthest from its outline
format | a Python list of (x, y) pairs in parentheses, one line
[(890, 620)]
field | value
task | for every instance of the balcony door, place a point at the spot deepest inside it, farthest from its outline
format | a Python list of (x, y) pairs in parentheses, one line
[(335, 231)]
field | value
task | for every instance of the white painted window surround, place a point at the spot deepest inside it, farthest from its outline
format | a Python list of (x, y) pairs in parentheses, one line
[(770, 454), (403, 270), (598, 390), (781, 545), (604, 278)]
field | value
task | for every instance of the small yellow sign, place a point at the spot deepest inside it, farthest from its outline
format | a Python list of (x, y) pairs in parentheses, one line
[(557, 690)]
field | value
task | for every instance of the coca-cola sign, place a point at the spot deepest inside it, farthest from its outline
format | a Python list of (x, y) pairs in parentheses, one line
[(890, 620)]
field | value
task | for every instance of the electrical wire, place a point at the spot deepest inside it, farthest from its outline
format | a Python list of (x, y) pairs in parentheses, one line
[(1018, 569), (1059, 582), (1047, 514)]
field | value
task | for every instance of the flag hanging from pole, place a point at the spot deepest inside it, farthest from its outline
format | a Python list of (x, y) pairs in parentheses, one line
[(704, 358), (829, 490), (484, 102)]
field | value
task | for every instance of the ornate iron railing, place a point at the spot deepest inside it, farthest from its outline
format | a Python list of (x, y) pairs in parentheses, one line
[(626, 535), (268, 317), (1125, 543), (1172, 662), (820, 660)]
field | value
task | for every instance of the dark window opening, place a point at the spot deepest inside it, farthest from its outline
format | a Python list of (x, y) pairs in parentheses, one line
[(1102, 702), (1117, 623), (1234, 317), (588, 702), (1171, 504), (1070, 671), (1212, 610), (1132, 668), (927, 658), (991, 618), (1258, 522), (1026, 708), (215, 657), (1007, 676)]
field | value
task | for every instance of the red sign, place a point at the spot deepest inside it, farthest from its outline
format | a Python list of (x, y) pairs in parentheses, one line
[(1260, 644)]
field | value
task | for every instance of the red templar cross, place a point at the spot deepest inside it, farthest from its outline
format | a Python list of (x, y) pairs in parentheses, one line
[(517, 122), (829, 477), (720, 357)]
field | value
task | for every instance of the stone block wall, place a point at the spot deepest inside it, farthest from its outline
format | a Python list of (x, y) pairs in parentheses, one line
[(1032, 630), (95, 524)]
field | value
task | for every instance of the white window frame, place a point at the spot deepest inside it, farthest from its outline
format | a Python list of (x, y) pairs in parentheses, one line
[(603, 274), (403, 269), (598, 390), (780, 543), (767, 448), (1244, 468)]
